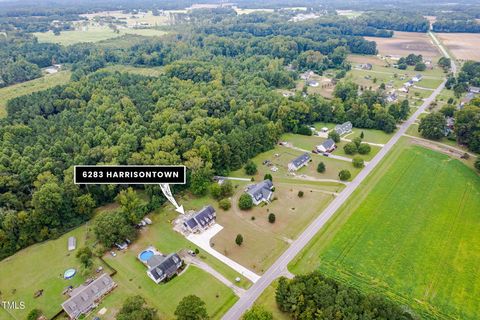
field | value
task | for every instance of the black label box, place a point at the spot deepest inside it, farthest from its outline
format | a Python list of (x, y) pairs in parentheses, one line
[(118, 174)]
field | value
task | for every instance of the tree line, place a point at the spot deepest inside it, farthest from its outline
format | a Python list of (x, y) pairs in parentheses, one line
[(315, 296)]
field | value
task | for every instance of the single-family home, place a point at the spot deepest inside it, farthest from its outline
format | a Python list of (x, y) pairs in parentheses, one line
[(366, 66), (408, 84), (306, 75), (299, 162), (86, 297), (327, 146), (474, 89), (404, 89), (260, 192), (201, 220), (417, 78), (391, 97), (344, 128), (162, 268)]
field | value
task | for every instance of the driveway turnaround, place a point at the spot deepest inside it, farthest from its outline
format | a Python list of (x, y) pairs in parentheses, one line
[(279, 267), (202, 240)]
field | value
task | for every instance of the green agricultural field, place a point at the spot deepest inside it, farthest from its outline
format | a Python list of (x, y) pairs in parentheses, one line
[(31, 86), (411, 232), (93, 34)]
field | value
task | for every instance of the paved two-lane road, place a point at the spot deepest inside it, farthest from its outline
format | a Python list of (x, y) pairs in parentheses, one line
[(279, 267)]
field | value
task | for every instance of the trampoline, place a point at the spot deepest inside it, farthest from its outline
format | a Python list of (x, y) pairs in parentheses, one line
[(69, 273), (145, 255)]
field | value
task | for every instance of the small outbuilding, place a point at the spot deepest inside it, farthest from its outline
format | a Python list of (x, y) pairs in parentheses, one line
[(72, 243)]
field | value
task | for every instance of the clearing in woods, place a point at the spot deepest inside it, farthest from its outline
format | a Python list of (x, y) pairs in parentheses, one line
[(404, 43), (411, 232)]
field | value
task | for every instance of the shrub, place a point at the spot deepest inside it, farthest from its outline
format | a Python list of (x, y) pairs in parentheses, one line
[(334, 136), (357, 141), (321, 167), (350, 148), (216, 191), (225, 204), (362, 135), (250, 168), (344, 175), (268, 176), (239, 239), (304, 130), (477, 164), (300, 194), (364, 148), (358, 162), (245, 202), (271, 218)]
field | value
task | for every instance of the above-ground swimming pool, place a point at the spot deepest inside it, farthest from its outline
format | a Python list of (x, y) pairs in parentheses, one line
[(145, 255), (69, 273)]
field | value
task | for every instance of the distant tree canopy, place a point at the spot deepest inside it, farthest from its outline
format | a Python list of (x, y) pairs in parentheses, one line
[(396, 20), (314, 296)]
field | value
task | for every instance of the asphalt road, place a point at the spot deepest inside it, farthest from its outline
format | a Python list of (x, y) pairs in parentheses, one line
[(280, 265)]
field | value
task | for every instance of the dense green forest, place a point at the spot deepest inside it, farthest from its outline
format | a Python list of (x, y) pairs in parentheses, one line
[(396, 20), (212, 110), (314, 296)]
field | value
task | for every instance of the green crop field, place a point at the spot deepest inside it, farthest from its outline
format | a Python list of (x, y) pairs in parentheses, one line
[(411, 232), (31, 86)]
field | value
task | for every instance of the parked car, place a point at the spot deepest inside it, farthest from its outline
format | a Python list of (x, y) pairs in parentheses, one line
[(147, 220), (326, 154), (192, 253), (113, 253)]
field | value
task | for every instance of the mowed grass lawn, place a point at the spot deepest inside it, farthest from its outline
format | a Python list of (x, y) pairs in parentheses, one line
[(410, 231), (20, 89), (38, 267)]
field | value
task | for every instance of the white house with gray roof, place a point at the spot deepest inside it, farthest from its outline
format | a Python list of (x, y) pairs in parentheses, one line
[(299, 162), (327, 146), (260, 192), (86, 297), (344, 128), (201, 220), (161, 268)]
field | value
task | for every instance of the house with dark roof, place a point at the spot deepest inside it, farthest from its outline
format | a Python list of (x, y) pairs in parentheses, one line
[(162, 268), (344, 128), (86, 297), (391, 97), (201, 220), (299, 162), (327, 146), (260, 192)]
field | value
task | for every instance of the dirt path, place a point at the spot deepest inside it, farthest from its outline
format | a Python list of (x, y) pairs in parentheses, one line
[(440, 147)]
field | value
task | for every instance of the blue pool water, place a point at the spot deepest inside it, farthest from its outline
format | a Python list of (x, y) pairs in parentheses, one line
[(69, 273), (145, 255)]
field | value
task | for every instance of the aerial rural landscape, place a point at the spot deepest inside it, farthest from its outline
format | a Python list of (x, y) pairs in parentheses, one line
[(239, 160)]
